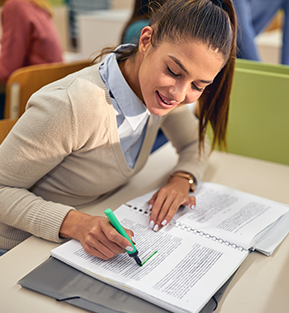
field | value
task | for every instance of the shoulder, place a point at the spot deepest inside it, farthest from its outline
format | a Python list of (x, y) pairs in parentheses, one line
[(17, 6), (16, 12), (86, 89), (75, 106), (81, 95)]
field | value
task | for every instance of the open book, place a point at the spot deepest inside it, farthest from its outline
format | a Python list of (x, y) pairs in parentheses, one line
[(193, 256)]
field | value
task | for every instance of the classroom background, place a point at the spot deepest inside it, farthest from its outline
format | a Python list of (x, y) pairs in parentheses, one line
[(99, 23), (259, 98), (258, 132)]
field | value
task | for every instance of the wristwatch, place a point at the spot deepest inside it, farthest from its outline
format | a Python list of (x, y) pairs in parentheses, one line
[(187, 176)]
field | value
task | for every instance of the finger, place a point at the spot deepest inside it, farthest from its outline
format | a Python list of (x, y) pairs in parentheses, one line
[(130, 233), (152, 200), (191, 202), (114, 237), (171, 202), (116, 243), (100, 251), (168, 203), (101, 247), (156, 208), (107, 240), (169, 210), (94, 252)]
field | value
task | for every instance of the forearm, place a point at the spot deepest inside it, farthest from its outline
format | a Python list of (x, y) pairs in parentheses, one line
[(191, 162), (27, 212), (182, 130), (72, 223)]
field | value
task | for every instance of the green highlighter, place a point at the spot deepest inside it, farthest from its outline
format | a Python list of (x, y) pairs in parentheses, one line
[(116, 224)]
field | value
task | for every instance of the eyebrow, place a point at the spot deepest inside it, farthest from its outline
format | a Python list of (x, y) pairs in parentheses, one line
[(179, 63)]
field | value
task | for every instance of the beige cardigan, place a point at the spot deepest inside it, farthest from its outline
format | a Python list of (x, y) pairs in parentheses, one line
[(65, 152)]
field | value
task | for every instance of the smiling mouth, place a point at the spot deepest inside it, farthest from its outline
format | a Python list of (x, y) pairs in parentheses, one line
[(164, 103)]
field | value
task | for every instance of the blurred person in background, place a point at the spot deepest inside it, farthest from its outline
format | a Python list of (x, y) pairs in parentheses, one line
[(29, 36), (253, 17)]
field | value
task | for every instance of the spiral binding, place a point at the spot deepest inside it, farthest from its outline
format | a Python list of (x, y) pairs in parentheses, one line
[(140, 210), (183, 226)]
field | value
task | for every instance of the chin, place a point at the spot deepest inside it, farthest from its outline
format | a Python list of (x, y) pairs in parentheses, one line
[(159, 111)]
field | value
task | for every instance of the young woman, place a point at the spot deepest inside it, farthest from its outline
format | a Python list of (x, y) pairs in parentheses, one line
[(28, 35), (89, 133)]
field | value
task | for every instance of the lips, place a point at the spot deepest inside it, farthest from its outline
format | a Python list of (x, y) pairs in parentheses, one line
[(164, 102)]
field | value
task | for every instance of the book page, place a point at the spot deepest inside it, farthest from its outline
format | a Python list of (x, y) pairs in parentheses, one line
[(182, 275), (232, 215)]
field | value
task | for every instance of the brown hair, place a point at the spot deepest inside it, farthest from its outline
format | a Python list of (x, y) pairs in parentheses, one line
[(215, 100), (213, 25)]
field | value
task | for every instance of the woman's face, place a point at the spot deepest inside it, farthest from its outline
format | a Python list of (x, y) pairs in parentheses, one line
[(171, 75)]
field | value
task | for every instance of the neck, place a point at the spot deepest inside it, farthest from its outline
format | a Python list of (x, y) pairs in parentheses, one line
[(130, 70)]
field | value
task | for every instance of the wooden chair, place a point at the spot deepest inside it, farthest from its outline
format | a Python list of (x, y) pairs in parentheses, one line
[(25, 81), (5, 127)]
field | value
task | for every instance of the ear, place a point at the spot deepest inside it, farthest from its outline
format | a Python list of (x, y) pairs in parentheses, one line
[(145, 39)]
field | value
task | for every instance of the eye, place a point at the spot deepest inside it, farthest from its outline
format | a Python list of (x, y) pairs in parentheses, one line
[(173, 74), (197, 88)]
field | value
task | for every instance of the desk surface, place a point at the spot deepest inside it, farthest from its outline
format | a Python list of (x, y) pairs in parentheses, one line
[(260, 285)]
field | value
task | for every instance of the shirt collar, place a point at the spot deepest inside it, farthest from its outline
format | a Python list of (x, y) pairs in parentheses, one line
[(130, 105)]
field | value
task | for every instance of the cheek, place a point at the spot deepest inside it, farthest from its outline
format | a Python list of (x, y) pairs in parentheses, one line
[(143, 84), (193, 97)]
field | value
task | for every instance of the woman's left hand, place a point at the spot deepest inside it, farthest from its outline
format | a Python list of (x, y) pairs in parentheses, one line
[(166, 201)]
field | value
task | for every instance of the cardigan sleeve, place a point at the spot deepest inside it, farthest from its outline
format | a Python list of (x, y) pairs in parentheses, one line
[(39, 141), (182, 128)]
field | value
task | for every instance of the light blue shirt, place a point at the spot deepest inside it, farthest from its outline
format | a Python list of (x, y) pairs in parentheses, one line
[(131, 114)]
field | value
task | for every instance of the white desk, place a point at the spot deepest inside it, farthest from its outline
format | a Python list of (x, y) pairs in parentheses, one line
[(260, 285)]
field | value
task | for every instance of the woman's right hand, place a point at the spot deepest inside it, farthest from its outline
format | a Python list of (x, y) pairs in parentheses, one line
[(95, 233)]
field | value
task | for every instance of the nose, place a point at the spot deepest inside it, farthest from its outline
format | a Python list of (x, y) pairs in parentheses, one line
[(179, 91)]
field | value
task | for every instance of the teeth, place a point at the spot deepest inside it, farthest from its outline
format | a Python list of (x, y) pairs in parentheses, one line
[(166, 102)]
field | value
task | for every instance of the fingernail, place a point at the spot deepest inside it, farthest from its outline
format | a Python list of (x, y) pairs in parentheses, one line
[(129, 248), (192, 206), (150, 207), (133, 238), (156, 228), (152, 223), (164, 222)]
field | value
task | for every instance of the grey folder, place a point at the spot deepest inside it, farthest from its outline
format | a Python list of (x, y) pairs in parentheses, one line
[(64, 283)]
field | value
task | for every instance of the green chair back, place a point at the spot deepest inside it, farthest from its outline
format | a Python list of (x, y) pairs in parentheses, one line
[(261, 66), (258, 124)]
